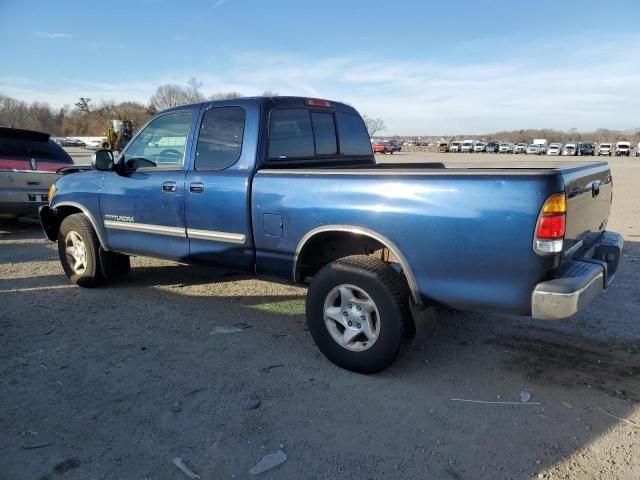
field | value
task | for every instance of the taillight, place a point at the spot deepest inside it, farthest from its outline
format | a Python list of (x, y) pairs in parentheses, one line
[(315, 102), (611, 198), (551, 228), (551, 225)]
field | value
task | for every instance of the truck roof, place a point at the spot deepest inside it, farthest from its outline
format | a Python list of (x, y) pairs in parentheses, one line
[(271, 102)]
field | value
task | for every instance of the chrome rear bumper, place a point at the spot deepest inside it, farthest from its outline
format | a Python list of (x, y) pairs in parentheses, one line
[(578, 282)]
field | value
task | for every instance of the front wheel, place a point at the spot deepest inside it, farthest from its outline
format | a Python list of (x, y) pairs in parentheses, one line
[(358, 313), (78, 250)]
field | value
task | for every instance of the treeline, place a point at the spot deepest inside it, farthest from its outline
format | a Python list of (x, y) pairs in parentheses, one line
[(600, 135), (88, 118), (84, 119)]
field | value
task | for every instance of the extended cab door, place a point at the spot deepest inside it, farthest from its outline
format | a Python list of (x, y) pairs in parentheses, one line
[(143, 210), (218, 186)]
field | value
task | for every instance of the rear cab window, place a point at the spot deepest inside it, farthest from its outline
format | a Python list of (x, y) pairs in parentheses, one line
[(220, 139), (308, 134)]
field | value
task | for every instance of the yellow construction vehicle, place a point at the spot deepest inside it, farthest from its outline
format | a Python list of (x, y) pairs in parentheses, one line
[(443, 146), (119, 133)]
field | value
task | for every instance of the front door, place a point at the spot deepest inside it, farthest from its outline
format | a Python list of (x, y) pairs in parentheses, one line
[(143, 211)]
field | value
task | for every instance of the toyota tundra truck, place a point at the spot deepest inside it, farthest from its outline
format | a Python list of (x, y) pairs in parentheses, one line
[(287, 188)]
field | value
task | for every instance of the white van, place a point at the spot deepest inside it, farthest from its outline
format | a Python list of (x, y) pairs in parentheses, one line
[(555, 149), (570, 149), (605, 149), (623, 149), (455, 146), (467, 146)]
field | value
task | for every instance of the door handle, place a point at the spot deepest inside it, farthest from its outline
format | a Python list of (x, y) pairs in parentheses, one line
[(196, 187), (169, 187)]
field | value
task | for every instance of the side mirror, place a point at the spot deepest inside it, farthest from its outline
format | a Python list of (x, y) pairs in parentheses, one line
[(102, 160)]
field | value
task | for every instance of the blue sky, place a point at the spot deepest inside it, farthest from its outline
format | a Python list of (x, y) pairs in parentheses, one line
[(424, 67)]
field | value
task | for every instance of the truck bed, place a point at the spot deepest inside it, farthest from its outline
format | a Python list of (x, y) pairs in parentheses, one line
[(468, 227)]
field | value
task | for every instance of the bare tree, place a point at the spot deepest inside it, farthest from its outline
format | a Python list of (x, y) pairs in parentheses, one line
[(270, 93), (193, 93), (224, 95), (83, 104), (374, 125), (168, 95)]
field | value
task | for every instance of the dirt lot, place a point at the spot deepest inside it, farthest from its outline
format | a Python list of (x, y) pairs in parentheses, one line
[(220, 370)]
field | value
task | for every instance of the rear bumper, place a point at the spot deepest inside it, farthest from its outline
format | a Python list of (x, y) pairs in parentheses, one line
[(21, 201), (578, 281)]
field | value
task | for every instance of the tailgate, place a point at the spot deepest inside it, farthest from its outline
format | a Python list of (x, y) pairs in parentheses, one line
[(18, 175), (588, 188)]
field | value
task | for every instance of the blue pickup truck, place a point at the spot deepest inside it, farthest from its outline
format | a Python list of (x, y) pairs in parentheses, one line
[(288, 188)]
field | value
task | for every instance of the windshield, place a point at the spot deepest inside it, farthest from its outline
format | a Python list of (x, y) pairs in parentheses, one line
[(605, 145)]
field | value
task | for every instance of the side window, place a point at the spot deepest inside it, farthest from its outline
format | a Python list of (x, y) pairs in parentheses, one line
[(290, 134), (161, 144), (354, 138), (220, 139), (325, 133)]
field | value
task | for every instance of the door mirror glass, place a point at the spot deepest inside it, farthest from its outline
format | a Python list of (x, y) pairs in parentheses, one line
[(102, 160)]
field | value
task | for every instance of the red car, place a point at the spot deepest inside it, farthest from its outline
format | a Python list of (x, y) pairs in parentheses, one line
[(382, 147)]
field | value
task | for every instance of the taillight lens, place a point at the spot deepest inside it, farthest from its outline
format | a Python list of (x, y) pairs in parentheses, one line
[(551, 225)]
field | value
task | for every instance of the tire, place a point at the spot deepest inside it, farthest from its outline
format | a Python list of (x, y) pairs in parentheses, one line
[(372, 287), (77, 233)]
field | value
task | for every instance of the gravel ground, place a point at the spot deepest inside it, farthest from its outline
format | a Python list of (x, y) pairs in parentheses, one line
[(220, 370)]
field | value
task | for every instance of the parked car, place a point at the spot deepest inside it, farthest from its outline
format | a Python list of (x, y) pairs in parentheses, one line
[(588, 148), (520, 148), (480, 147), (623, 149), (96, 144), (570, 149), (506, 148), (638, 150), (455, 146), (76, 142), (382, 147), (554, 149), (492, 147), (605, 149), (310, 206), (29, 161), (395, 145), (468, 146), (534, 149)]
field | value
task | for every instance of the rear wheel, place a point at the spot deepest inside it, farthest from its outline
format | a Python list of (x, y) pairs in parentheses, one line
[(358, 313)]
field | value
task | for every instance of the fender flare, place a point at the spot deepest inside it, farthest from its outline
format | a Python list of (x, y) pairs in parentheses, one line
[(404, 264), (91, 218)]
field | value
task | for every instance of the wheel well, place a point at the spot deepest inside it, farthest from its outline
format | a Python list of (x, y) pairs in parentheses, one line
[(326, 247), (51, 219)]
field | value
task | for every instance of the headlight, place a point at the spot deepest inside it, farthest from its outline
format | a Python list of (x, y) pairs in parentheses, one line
[(52, 191)]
